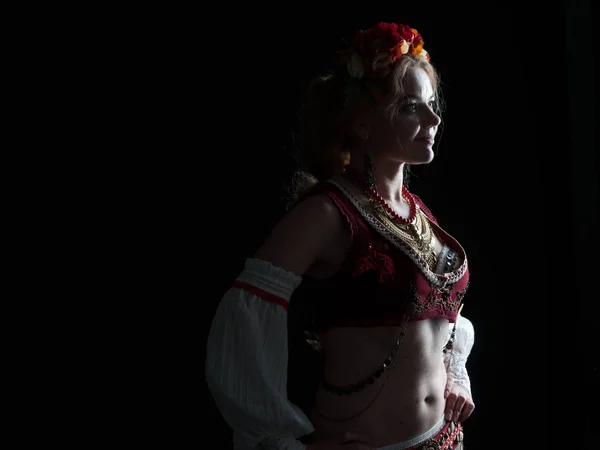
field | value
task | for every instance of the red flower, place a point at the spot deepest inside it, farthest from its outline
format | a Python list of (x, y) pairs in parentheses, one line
[(381, 45), (408, 34), (383, 37)]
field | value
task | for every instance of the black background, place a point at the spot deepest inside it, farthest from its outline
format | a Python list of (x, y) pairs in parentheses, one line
[(514, 180)]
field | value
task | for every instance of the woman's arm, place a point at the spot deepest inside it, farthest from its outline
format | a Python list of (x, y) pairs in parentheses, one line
[(456, 360), (459, 401), (247, 350)]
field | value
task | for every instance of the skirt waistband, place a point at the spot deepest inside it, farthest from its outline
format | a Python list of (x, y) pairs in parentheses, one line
[(442, 436)]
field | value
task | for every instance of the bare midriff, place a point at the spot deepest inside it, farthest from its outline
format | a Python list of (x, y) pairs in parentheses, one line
[(411, 400)]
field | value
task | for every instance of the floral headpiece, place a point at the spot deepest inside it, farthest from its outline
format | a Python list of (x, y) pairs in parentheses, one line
[(376, 49)]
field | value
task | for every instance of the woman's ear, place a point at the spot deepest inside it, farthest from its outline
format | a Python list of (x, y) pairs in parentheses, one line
[(362, 129)]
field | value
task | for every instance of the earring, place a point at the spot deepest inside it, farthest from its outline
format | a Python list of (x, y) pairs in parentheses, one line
[(368, 169)]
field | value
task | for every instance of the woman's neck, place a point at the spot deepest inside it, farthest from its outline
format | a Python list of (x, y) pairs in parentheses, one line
[(388, 177)]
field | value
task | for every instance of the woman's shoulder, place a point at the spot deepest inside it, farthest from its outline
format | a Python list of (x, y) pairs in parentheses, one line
[(303, 232)]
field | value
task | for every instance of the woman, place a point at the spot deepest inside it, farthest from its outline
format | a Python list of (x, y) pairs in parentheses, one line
[(379, 282)]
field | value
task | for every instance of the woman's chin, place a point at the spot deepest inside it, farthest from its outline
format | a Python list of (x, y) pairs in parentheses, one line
[(425, 159)]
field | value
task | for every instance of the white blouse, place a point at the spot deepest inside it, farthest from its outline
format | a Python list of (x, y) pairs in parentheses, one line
[(457, 359)]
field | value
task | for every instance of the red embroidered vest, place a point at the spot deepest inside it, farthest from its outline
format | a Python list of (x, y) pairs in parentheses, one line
[(378, 280)]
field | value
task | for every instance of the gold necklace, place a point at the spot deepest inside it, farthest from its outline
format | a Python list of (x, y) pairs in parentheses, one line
[(414, 231), (418, 234)]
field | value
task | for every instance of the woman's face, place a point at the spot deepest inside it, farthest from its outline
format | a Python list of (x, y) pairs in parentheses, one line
[(410, 135)]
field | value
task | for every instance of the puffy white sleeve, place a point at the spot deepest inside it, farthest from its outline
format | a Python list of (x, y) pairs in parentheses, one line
[(456, 360), (247, 360)]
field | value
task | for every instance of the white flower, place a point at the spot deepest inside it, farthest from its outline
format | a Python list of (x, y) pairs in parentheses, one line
[(355, 66), (404, 48)]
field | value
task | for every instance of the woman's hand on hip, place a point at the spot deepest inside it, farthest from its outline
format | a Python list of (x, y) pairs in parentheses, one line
[(459, 404)]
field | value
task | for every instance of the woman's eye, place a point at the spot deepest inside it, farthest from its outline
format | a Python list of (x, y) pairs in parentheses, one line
[(413, 107)]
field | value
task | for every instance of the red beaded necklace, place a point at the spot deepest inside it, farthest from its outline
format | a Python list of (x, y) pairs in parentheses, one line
[(359, 178)]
